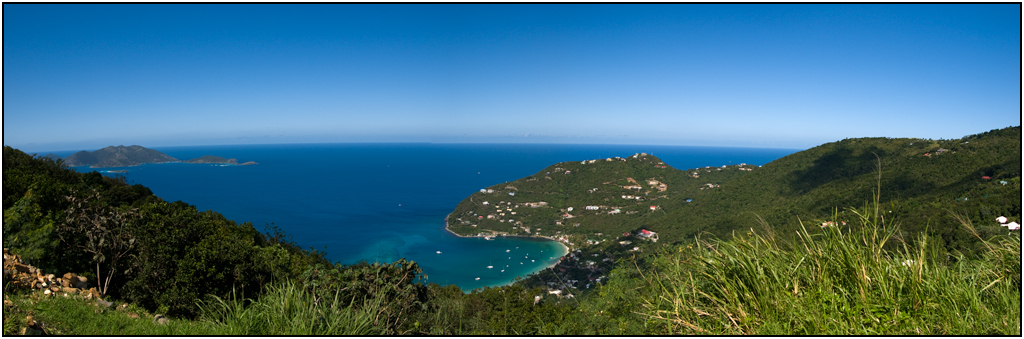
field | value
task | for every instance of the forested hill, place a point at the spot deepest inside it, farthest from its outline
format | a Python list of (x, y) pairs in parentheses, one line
[(117, 156), (923, 181)]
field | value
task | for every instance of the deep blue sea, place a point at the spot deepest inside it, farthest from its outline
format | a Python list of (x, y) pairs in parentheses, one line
[(382, 202)]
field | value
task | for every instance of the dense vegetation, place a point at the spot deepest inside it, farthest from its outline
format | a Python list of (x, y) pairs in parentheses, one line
[(936, 264)]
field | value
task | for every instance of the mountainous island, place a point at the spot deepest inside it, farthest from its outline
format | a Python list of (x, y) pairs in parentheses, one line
[(121, 156), (865, 236), (117, 156)]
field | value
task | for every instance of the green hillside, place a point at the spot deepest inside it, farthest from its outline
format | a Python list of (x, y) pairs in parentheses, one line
[(921, 180)]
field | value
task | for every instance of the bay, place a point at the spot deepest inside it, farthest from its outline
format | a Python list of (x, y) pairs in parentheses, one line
[(380, 202)]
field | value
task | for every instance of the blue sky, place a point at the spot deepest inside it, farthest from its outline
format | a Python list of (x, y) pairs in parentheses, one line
[(787, 76)]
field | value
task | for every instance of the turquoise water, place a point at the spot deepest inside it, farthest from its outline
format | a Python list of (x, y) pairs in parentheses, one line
[(382, 202)]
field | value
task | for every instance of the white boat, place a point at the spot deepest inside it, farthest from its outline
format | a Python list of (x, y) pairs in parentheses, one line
[(478, 278), (488, 238), (502, 271), (533, 261), (438, 252), (490, 266), (506, 251)]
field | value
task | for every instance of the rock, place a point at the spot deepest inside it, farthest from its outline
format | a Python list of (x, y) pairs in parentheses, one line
[(93, 293), (104, 303), (71, 290), (133, 315), (22, 268), (82, 282), (160, 319)]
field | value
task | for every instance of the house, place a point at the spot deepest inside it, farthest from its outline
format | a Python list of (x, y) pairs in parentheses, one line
[(593, 208), (654, 208), (986, 177), (512, 193), (652, 236)]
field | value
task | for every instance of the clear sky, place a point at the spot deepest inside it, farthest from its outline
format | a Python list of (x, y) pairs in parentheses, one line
[(788, 76)]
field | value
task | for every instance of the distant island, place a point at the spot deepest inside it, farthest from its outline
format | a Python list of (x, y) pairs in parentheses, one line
[(213, 159), (117, 156), (121, 156)]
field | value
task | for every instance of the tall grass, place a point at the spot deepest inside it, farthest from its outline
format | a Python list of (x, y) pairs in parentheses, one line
[(836, 280), (288, 309)]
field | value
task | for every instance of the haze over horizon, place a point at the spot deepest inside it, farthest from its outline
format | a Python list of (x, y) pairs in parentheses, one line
[(83, 77)]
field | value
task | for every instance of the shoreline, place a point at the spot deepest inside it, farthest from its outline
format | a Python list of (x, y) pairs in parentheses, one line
[(565, 247)]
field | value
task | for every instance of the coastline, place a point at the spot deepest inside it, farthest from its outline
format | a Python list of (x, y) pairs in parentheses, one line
[(565, 248)]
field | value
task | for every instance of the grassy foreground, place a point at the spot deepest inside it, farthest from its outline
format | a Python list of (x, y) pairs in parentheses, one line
[(835, 277), (857, 280)]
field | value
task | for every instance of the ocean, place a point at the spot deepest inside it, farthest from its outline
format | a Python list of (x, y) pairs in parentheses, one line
[(380, 202)]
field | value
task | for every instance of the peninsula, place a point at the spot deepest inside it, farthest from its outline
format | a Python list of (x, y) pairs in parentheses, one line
[(592, 201)]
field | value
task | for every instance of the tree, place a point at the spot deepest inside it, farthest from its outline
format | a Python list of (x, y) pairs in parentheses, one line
[(105, 231)]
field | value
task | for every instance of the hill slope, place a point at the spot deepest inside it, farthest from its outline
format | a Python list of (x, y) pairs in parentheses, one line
[(921, 180)]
